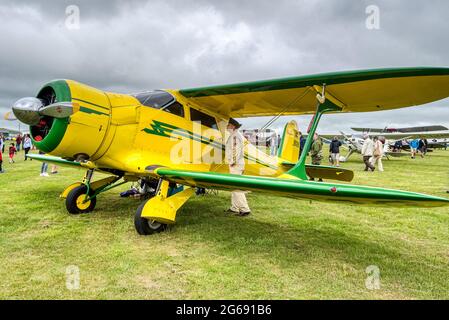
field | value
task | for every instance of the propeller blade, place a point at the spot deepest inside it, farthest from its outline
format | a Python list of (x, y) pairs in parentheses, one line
[(57, 110)]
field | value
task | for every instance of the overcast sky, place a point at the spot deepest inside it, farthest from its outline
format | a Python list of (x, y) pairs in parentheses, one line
[(128, 46)]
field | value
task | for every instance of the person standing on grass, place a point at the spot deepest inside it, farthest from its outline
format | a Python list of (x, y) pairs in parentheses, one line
[(414, 147), (1, 161), (12, 152), (302, 143), (378, 153), (421, 148), (54, 169), (18, 142), (273, 143), (334, 149), (235, 157), (426, 145), (27, 145), (44, 167), (316, 152), (2, 144), (367, 152)]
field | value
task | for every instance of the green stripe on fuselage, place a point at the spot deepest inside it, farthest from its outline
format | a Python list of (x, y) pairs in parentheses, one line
[(166, 130), (92, 111)]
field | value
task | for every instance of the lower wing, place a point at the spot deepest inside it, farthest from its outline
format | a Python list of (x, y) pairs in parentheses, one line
[(61, 162), (299, 188)]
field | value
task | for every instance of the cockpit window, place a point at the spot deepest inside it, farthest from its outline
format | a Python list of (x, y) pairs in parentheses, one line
[(155, 99)]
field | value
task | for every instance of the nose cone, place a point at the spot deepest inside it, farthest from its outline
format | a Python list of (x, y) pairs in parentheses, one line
[(26, 110)]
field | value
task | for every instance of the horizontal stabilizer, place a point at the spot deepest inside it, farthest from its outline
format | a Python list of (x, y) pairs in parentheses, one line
[(324, 172)]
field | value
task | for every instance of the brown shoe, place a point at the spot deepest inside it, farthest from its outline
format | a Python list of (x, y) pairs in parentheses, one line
[(244, 214)]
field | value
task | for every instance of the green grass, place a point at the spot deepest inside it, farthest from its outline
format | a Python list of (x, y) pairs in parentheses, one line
[(287, 249)]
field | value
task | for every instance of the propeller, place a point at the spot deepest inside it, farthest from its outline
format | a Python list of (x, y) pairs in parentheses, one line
[(30, 110)]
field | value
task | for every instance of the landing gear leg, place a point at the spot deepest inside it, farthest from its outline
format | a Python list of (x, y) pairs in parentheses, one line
[(81, 197), (78, 200), (155, 214)]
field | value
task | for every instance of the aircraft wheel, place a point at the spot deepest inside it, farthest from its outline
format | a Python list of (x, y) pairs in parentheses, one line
[(147, 227), (75, 198)]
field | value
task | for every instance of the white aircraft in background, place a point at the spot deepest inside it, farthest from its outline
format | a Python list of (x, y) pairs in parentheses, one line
[(422, 129), (354, 143), (436, 135)]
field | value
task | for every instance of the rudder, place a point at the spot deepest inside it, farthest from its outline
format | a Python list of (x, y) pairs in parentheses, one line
[(289, 146)]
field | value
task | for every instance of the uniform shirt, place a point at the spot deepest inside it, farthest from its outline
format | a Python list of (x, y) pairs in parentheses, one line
[(235, 154), (316, 148)]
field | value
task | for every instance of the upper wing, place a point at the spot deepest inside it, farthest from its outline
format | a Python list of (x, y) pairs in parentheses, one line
[(409, 129), (358, 91), (416, 135), (298, 188)]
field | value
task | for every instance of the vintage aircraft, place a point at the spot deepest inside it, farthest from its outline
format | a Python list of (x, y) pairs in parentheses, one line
[(156, 136)]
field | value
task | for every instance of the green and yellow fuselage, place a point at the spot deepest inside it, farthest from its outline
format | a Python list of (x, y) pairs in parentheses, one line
[(115, 131)]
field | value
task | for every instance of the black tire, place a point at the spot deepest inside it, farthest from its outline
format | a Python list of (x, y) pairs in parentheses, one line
[(73, 205), (146, 227)]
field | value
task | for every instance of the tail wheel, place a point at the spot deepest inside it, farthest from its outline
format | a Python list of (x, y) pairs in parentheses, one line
[(75, 202), (144, 226)]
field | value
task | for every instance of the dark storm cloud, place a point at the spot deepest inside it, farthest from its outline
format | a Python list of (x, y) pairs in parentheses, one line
[(129, 46)]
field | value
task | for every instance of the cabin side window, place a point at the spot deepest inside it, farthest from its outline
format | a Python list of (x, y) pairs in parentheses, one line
[(175, 108), (205, 119)]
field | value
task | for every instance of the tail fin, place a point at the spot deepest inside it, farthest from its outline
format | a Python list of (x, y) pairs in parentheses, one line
[(289, 146)]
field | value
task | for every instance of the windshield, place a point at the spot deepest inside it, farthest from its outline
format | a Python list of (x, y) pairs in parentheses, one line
[(155, 99)]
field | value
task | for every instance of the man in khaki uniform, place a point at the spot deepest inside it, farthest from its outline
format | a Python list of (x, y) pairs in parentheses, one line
[(235, 157)]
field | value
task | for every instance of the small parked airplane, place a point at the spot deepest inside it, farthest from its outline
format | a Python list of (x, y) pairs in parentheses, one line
[(156, 136)]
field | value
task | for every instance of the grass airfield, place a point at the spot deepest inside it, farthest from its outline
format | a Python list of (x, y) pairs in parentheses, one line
[(287, 249)]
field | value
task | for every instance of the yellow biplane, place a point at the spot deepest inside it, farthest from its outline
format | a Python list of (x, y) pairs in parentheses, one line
[(176, 138)]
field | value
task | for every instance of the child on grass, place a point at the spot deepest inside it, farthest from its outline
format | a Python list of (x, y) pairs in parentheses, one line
[(12, 152), (1, 161)]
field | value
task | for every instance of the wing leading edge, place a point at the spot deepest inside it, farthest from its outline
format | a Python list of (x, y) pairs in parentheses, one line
[(300, 188)]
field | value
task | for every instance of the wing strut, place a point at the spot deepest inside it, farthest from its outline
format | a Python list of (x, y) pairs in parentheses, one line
[(325, 103)]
